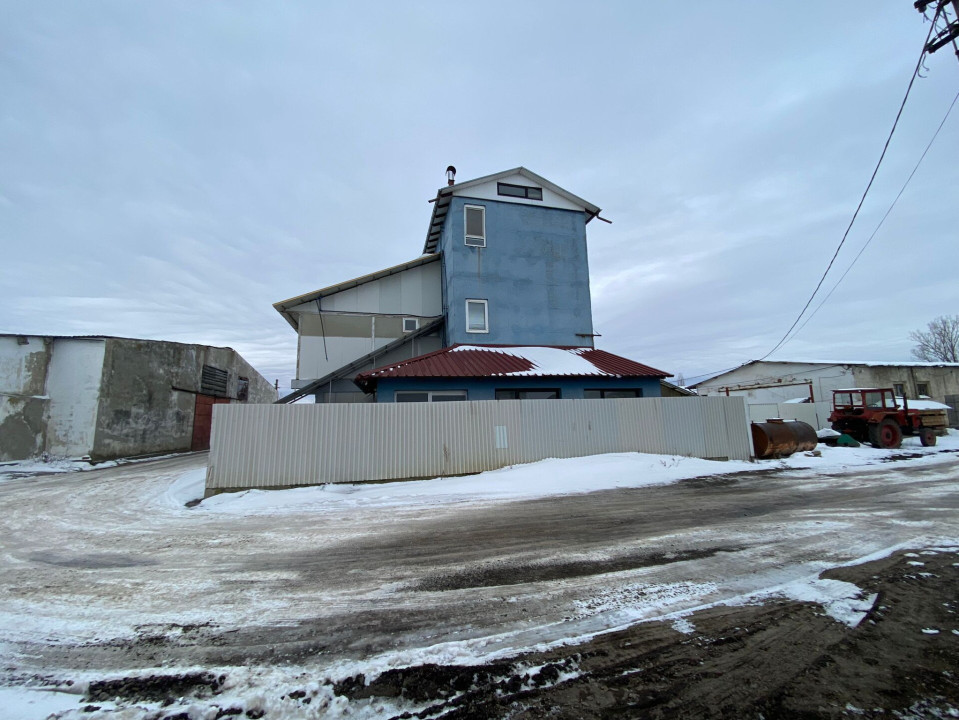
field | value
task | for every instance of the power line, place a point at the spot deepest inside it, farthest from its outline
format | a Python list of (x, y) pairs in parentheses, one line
[(869, 240), (875, 171)]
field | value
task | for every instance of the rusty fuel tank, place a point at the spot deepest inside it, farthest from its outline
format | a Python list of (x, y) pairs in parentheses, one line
[(781, 438)]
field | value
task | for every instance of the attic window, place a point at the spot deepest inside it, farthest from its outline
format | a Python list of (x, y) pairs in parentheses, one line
[(410, 324), (519, 191), (475, 225)]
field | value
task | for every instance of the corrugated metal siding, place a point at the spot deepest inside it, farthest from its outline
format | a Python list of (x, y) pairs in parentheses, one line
[(282, 445), (815, 414)]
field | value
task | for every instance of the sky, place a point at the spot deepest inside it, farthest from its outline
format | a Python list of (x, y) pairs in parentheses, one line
[(170, 170)]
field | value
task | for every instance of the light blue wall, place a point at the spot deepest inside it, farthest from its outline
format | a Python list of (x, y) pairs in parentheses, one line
[(484, 388), (533, 271)]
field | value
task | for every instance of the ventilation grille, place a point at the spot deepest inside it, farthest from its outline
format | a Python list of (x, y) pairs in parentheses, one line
[(213, 381)]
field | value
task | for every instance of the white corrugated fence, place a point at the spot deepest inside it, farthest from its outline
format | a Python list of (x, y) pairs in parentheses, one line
[(271, 446)]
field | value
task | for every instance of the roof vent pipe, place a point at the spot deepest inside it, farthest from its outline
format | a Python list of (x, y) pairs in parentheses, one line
[(450, 175)]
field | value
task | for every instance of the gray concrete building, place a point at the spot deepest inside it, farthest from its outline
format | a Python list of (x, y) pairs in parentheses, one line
[(107, 397)]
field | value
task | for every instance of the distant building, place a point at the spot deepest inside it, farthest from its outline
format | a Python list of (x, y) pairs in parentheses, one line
[(504, 264), (768, 381), (107, 397)]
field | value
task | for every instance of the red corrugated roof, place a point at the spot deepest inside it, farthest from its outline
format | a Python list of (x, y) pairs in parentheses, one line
[(477, 362)]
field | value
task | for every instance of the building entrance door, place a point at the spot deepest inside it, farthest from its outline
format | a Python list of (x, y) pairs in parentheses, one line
[(203, 420)]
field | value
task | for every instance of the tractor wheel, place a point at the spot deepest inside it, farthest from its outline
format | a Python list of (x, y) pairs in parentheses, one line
[(889, 434), (927, 436), (874, 436)]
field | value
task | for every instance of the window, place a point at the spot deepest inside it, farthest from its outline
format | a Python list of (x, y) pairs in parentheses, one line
[(410, 324), (527, 394), (430, 396), (922, 388), (477, 316), (612, 394), (243, 389), (475, 225), (900, 389), (519, 191)]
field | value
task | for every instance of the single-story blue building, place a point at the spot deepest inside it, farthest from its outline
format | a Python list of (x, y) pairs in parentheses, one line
[(511, 372)]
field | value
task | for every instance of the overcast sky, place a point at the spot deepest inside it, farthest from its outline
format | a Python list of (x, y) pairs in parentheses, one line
[(170, 170)]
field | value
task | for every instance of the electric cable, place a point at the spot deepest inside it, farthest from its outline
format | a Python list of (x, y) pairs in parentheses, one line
[(862, 200), (869, 240)]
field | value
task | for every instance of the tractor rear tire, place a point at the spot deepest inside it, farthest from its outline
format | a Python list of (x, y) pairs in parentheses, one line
[(888, 435), (927, 436)]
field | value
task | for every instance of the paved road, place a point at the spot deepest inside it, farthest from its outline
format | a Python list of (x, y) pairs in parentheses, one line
[(101, 571)]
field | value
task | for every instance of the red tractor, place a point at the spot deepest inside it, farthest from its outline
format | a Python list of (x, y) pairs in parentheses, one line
[(873, 415)]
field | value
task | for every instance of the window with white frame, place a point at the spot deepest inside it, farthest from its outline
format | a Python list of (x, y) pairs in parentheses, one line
[(410, 324), (429, 395), (475, 217), (477, 316)]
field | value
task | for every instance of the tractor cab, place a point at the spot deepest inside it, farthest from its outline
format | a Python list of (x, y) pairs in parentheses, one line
[(856, 401)]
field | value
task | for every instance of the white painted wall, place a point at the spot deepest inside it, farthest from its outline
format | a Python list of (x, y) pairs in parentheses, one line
[(73, 384), (826, 378), (487, 191), (313, 362), (416, 292)]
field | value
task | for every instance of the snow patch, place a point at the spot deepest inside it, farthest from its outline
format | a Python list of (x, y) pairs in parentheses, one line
[(842, 601)]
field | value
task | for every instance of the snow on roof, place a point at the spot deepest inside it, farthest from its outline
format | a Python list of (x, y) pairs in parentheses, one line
[(512, 361), (868, 363), (924, 404), (543, 360)]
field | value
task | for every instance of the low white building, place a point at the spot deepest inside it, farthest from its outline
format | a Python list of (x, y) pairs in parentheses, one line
[(776, 381)]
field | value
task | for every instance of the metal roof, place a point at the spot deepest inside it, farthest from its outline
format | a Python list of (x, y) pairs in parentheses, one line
[(284, 305), (820, 364), (474, 361), (444, 195)]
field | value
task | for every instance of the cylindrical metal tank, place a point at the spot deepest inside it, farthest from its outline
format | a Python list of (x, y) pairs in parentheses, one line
[(781, 438)]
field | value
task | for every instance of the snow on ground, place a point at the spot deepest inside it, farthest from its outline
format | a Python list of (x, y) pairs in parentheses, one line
[(535, 480), (635, 596)]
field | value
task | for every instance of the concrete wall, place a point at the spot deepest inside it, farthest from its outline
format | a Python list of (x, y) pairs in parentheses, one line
[(287, 445), (23, 399), (73, 384), (533, 271), (942, 380), (106, 397), (485, 388), (148, 394)]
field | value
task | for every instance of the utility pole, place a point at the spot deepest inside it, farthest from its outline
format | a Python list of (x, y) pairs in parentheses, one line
[(950, 32)]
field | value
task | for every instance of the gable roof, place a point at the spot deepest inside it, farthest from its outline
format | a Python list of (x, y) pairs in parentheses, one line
[(480, 361), (283, 306), (820, 364), (445, 194)]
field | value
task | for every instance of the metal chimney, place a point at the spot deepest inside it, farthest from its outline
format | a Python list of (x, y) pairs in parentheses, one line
[(450, 175)]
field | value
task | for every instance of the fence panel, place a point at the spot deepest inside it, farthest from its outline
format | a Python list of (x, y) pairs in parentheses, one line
[(286, 445)]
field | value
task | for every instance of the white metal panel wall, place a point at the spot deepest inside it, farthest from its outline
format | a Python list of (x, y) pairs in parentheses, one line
[(282, 445), (815, 414)]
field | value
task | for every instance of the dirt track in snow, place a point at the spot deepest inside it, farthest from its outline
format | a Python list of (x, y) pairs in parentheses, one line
[(101, 575)]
